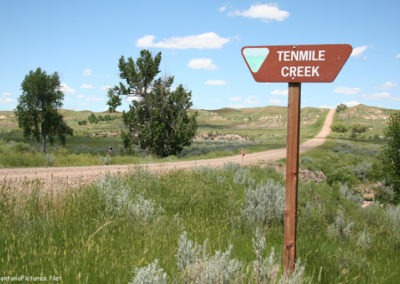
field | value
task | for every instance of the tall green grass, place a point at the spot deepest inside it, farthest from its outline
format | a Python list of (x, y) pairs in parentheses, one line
[(109, 231), (90, 143)]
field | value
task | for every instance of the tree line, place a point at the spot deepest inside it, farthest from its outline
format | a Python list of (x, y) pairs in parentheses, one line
[(158, 121)]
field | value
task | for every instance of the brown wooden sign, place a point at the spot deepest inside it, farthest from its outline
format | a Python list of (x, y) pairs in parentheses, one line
[(296, 63)]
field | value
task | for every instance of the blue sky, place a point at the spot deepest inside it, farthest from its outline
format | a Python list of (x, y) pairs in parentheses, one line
[(200, 42)]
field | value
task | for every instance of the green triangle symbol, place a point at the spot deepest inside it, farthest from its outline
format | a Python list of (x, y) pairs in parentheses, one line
[(255, 56)]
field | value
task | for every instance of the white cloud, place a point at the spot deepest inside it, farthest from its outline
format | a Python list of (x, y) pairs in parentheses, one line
[(87, 86), (105, 87), (265, 12), (235, 99), (67, 89), (202, 63), (251, 100), (351, 103), (277, 92), (93, 99), (87, 72), (276, 102), (347, 90), (209, 40), (358, 51), (215, 82), (388, 85), (381, 96), (5, 98), (223, 8), (398, 56)]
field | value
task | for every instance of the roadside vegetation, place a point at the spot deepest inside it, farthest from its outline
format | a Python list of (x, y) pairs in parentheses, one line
[(219, 134), (208, 225), (187, 226)]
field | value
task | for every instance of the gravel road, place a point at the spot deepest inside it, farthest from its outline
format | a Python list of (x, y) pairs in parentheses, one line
[(56, 177)]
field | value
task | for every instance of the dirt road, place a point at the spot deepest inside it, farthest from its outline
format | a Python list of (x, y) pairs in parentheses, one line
[(75, 176)]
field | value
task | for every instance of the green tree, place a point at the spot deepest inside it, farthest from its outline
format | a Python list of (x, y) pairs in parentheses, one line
[(341, 107), (114, 101), (37, 109), (158, 120), (391, 153), (93, 118)]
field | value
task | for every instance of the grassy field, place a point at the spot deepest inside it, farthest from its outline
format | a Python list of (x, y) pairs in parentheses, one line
[(220, 133), (190, 222), (211, 225)]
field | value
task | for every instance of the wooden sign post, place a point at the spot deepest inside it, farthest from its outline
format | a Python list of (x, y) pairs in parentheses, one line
[(292, 166), (294, 64)]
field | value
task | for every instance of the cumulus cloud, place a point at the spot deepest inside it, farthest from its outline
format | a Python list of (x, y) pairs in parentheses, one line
[(202, 63), (276, 102), (351, 103), (381, 96), (94, 99), (235, 99), (67, 89), (5, 98), (347, 90), (278, 92), (87, 86), (250, 101), (208, 40), (87, 72), (358, 51), (388, 85), (215, 82), (265, 12), (222, 8), (105, 87)]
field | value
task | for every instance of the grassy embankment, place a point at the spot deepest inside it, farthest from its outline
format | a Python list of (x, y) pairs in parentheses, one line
[(224, 132), (104, 232)]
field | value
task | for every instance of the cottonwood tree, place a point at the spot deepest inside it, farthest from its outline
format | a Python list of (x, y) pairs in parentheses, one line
[(159, 118), (37, 109), (391, 153)]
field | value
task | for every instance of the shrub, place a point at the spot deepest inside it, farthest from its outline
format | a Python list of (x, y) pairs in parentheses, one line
[(358, 128), (92, 118), (364, 239), (265, 204), (267, 270), (393, 213), (151, 274), (349, 194), (362, 170), (391, 153), (121, 201), (340, 175), (197, 268), (49, 159), (341, 107), (22, 148), (341, 228), (339, 128), (106, 160)]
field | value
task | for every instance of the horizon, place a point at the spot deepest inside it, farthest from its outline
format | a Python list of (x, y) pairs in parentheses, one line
[(222, 108), (202, 50)]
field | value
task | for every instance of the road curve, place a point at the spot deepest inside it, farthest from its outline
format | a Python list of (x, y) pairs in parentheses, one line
[(82, 175)]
